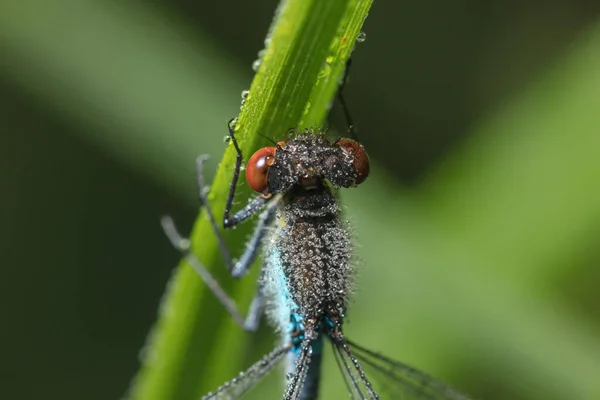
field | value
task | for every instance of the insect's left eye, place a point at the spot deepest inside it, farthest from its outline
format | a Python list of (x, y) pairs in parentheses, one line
[(361, 159), (257, 169)]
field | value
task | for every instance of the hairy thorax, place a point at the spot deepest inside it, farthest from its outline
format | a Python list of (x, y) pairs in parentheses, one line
[(308, 258)]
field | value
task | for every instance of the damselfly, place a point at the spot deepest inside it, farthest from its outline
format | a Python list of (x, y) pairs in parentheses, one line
[(307, 272)]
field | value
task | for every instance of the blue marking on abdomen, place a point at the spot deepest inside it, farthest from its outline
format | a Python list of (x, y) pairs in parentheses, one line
[(285, 313)]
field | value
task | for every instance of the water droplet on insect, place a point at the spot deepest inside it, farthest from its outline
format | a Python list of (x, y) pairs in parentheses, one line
[(362, 36), (184, 244)]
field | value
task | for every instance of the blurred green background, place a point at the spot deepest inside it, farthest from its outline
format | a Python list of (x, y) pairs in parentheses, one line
[(478, 228)]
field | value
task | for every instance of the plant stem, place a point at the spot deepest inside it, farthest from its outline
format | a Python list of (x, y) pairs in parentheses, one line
[(194, 346)]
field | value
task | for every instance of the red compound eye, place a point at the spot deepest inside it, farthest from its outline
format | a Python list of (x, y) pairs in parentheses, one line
[(361, 159), (257, 169)]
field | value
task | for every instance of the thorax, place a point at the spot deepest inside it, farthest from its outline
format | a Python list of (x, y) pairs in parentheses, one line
[(307, 257)]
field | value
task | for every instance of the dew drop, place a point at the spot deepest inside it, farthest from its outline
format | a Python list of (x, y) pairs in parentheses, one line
[(289, 376), (233, 123), (325, 71), (245, 96), (258, 61), (362, 36), (307, 108)]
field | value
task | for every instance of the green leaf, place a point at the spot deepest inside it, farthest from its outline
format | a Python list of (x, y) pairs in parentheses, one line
[(308, 46)]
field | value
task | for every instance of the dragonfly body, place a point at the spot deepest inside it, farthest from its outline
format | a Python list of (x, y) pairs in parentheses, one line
[(307, 272)]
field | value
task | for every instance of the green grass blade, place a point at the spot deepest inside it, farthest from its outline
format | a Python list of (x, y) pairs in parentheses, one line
[(194, 345)]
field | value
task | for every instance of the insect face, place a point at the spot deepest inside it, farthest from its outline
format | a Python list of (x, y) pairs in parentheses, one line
[(307, 160)]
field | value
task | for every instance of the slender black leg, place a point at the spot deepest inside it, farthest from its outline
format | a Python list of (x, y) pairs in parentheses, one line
[(351, 127), (227, 221), (237, 268), (250, 323)]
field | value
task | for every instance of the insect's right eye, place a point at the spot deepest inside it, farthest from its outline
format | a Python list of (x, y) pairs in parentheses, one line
[(257, 169), (359, 154)]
